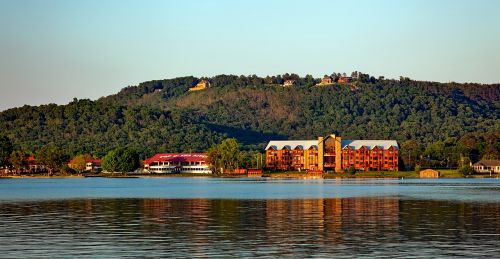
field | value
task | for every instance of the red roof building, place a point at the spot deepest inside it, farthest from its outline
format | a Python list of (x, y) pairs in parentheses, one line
[(178, 163)]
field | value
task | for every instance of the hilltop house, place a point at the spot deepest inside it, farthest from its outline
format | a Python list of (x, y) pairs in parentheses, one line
[(327, 80), (331, 153), (289, 82), (344, 79), (202, 84), (487, 166), (178, 163)]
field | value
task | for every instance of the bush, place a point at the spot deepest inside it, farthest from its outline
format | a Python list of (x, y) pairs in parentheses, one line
[(68, 170), (418, 168), (351, 170), (466, 170)]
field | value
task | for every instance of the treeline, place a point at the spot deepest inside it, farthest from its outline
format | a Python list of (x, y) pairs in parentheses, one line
[(224, 157), (93, 127), (451, 153), (162, 116)]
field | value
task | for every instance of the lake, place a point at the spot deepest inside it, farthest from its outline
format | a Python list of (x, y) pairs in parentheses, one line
[(208, 217)]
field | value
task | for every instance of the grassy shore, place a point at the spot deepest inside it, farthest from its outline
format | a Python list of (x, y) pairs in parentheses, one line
[(374, 174)]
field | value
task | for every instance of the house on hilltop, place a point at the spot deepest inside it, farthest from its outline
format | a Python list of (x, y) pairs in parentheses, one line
[(344, 79), (327, 80), (202, 84), (289, 82)]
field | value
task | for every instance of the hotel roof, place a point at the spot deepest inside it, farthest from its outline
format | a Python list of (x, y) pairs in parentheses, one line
[(370, 144), (292, 144), (306, 144)]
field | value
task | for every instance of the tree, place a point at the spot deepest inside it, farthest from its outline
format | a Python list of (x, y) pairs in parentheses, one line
[(52, 157), (120, 160), (410, 151), (466, 170), (79, 162), (5, 150), (225, 156), (18, 160)]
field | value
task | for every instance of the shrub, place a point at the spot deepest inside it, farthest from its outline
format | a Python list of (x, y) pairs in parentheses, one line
[(466, 170)]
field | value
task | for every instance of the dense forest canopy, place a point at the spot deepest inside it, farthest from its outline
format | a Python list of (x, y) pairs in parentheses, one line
[(163, 116)]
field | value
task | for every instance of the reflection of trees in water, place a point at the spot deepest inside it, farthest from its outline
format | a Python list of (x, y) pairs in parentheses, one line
[(445, 221), (249, 224)]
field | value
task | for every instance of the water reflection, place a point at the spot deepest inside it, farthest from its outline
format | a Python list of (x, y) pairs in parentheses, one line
[(241, 228)]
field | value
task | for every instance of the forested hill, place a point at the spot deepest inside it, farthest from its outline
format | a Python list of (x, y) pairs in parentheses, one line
[(162, 115)]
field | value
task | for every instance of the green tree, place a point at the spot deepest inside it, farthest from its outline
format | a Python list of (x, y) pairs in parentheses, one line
[(466, 170), (5, 150), (18, 160), (52, 157), (225, 156), (410, 151), (120, 160)]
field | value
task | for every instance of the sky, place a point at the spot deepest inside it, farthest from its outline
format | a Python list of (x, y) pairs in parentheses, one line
[(54, 50)]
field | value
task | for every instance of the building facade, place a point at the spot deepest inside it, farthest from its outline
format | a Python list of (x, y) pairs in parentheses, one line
[(344, 80), (196, 163), (331, 153), (93, 165), (487, 166), (326, 80)]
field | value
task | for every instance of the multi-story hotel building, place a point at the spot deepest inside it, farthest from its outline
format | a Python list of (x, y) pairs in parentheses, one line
[(331, 153)]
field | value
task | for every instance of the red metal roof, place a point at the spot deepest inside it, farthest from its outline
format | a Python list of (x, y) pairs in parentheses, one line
[(177, 157), (95, 161)]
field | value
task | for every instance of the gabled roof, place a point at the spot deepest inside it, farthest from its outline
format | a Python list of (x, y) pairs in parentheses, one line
[(292, 144), (487, 163), (177, 157), (355, 144), (370, 144)]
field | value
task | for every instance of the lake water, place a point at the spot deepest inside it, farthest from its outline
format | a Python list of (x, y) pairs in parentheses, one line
[(208, 217)]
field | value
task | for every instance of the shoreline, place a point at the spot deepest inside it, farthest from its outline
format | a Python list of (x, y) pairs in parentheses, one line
[(295, 176)]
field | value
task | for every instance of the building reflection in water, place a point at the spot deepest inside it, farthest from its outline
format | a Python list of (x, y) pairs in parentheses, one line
[(251, 227)]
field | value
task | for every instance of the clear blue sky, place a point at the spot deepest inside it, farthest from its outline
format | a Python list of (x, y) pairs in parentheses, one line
[(52, 51)]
